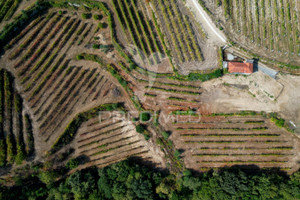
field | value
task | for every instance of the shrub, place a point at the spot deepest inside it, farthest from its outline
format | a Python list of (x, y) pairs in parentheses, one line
[(187, 173), (79, 57), (21, 155), (177, 154), (279, 122), (159, 141), (140, 128), (29, 135), (2, 153), (145, 116), (86, 15), (10, 142), (132, 66), (48, 177), (96, 46), (165, 134), (101, 25), (135, 119), (205, 77), (72, 164), (97, 17), (170, 143), (146, 136)]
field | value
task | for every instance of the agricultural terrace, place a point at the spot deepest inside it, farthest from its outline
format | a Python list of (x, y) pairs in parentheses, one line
[(54, 84), (218, 140), (70, 63), (16, 134), (141, 34), (8, 8), (159, 34), (112, 140), (269, 28), (224, 140), (179, 31)]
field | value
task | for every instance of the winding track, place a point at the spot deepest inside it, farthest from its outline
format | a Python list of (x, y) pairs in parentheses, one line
[(208, 21)]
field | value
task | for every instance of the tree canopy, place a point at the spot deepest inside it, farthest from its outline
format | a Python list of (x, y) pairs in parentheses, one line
[(127, 180)]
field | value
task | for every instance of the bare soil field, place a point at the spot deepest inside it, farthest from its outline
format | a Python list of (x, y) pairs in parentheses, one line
[(254, 93)]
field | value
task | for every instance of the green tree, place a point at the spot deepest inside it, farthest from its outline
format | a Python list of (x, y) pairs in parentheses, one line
[(140, 128), (72, 164), (145, 116), (86, 15), (97, 17)]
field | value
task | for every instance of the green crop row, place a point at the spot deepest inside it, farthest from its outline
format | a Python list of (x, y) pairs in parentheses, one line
[(173, 41), (29, 40), (173, 90), (47, 54), (103, 133), (24, 32), (233, 129), (250, 154), (153, 37), (145, 31), (8, 9), (230, 135), (132, 31)]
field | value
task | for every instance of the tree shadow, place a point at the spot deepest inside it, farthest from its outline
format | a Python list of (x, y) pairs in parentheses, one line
[(252, 170), (149, 164)]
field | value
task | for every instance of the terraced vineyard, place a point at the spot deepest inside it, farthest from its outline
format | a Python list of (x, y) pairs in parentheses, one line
[(219, 141), (111, 140), (160, 93), (8, 8), (69, 65), (16, 134), (140, 31), (214, 140), (54, 87), (179, 31), (268, 27)]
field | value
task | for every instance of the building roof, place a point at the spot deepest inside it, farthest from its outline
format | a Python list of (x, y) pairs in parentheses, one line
[(240, 67)]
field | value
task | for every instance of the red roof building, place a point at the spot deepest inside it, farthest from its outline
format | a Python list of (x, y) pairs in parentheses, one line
[(240, 67)]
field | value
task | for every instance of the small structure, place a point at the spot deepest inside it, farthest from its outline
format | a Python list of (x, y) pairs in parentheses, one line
[(230, 57), (245, 67)]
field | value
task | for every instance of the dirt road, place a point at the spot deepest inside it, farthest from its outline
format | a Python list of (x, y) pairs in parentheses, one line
[(214, 34)]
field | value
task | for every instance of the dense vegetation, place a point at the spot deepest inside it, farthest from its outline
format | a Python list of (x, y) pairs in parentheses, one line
[(12, 144), (126, 180), (8, 8)]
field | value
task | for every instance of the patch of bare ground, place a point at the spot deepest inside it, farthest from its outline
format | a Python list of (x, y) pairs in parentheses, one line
[(256, 92)]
